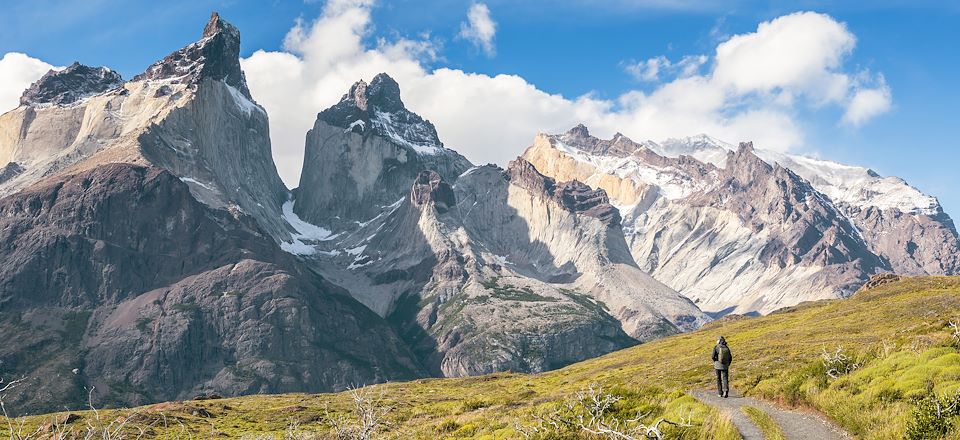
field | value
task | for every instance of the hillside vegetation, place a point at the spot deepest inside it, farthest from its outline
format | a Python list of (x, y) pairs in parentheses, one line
[(880, 364)]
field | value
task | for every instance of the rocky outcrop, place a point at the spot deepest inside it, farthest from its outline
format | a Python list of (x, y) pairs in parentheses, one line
[(10, 171), (879, 280), (216, 56), (430, 189), (362, 154), (573, 195), (67, 86), (175, 301), (910, 243), (749, 236)]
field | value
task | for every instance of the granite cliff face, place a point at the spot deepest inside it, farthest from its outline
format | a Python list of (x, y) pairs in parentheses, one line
[(481, 269), (363, 152), (190, 113), (738, 231), (175, 301)]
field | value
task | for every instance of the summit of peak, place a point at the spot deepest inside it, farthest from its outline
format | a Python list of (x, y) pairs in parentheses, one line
[(384, 92), (216, 25), (376, 108), (579, 131), (66, 86), (579, 137), (216, 56)]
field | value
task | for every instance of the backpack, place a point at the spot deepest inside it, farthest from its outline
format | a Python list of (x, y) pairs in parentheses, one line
[(724, 355)]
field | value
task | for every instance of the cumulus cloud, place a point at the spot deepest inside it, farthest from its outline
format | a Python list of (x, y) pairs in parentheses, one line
[(867, 103), (17, 72), (479, 28)]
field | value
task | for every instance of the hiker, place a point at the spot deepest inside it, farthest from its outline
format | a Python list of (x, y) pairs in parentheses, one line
[(721, 362)]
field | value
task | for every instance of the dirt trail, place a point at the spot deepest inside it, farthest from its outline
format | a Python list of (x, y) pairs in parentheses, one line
[(797, 425)]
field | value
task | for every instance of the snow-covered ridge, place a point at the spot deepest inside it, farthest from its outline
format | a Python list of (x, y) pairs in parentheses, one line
[(856, 186), (673, 183), (853, 185)]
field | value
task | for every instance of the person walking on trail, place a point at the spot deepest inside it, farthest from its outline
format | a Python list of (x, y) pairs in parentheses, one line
[(721, 363)]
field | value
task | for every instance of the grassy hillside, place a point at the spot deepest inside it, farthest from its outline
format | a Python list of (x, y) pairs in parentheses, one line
[(896, 344)]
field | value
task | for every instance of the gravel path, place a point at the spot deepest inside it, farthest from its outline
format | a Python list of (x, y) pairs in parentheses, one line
[(797, 425)]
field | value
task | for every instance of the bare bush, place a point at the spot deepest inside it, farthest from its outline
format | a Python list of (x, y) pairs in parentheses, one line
[(96, 428), (954, 327), (589, 412), (839, 362), (368, 418)]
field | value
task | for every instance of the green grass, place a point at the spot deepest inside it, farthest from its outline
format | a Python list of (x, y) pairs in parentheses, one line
[(770, 429), (897, 335)]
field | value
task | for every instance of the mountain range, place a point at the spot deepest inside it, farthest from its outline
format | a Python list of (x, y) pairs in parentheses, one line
[(151, 252)]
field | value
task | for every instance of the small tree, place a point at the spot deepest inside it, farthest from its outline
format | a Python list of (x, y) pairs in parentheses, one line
[(369, 416), (839, 363)]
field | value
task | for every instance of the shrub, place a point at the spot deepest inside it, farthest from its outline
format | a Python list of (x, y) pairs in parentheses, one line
[(933, 416), (448, 426), (839, 363)]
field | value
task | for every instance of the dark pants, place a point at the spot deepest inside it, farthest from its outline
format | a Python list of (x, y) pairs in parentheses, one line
[(723, 381)]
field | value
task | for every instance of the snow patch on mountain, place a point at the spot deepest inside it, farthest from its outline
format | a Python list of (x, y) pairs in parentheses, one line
[(416, 135), (245, 105), (673, 183), (305, 232)]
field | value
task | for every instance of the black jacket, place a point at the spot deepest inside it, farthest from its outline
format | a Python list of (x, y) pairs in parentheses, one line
[(722, 355)]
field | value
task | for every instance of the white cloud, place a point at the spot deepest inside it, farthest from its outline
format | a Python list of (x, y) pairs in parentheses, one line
[(653, 68), (648, 70), (17, 72), (741, 93), (867, 103), (479, 28), (801, 51)]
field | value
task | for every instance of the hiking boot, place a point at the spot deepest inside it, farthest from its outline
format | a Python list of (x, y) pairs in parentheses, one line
[(725, 395)]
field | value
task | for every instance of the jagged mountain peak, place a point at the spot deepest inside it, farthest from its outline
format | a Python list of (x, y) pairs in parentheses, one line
[(66, 86), (384, 93), (579, 137), (580, 131), (217, 25), (216, 56), (744, 165), (376, 108)]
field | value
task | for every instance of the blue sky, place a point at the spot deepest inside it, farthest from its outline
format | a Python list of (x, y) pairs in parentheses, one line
[(569, 48)]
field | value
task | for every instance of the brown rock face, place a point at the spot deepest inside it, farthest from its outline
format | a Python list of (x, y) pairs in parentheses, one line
[(574, 196), (119, 273), (879, 280), (430, 188), (69, 85)]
